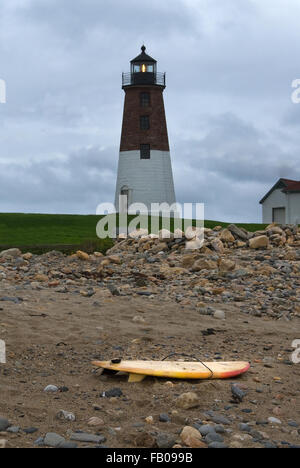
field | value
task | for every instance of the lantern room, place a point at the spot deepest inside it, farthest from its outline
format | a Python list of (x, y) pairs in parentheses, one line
[(143, 63), (143, 71)]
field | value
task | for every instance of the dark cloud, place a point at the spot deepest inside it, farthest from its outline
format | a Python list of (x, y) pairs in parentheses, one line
[(233, 128)]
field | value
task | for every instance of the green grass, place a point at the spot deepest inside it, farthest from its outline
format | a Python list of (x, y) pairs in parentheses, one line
[(44, 232)]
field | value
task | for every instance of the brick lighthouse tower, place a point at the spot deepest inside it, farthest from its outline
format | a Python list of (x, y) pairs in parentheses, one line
[(144, 171)]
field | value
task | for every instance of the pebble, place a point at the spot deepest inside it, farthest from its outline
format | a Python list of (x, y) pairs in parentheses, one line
[(220, 429), (96, 422), (206, 429), (218, 418), (213, 437), (220, 315), (65, 415), (165, 440), (164, 418), (191, 437), (4, 424), (53, 440), (51, 389), (68, 445), (13, 429), (113, 393), (188, 400), (244, 427), (293, 424), (88, 438), (39, 442), (30, 430), (274, 421)]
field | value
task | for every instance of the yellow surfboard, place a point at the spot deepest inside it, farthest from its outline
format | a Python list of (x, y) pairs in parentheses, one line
[(138, 370)]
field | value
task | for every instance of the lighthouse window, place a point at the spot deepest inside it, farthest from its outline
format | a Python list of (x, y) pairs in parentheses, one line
[(145, 151), (144, 122), (145, 99)]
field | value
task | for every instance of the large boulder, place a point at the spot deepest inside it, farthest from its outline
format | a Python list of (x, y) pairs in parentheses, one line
[(226, 236), (260, 242), (217, 245), (238, 232), (204, 264), (226, 265), (10, 253)]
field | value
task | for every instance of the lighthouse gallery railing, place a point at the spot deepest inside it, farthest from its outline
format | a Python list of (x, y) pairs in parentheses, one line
[(129, 79)]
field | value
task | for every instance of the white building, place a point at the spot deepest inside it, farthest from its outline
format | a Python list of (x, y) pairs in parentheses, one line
[(282, 203)]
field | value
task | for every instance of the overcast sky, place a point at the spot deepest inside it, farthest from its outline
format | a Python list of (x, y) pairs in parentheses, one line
[(230, 64)]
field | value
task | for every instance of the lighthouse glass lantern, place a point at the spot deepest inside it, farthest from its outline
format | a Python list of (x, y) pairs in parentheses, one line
[(143, 69)]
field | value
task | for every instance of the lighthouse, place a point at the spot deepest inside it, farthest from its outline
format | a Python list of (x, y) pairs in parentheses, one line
[(144, 169)]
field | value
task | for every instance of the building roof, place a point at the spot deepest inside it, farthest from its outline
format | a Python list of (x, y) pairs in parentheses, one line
[(143, 57), (287, 186)]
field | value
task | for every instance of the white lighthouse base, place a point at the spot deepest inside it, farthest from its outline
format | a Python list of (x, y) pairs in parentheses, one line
[(145, 181)]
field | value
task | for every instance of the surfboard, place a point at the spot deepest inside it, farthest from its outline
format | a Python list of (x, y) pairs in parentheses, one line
[(138, 370)]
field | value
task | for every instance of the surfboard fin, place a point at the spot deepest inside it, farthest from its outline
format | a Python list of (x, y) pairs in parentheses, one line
[(136, 377)]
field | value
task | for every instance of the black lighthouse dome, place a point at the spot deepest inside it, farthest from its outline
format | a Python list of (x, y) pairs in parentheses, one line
[(143, 71)]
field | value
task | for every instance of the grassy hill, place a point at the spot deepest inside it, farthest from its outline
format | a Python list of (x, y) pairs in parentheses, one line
[(43, 232)]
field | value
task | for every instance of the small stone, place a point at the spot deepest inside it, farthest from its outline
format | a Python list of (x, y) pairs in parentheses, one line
[(53, 440), (293, 424), (213, 437), (65, 415), (192, 438), (13, 253), (149, 420), (244, 427), (68, 445), (138, 319), (30, 430), (206, 429), (82, 255), (41, 278), (218, 418), (220, 315), (269, 445), (51, 389), (144, 440), (165, 440), (220, 429), (113, 393), (237, 393), (4, 424), (13, 429), (188, 400), (226, 265), (95, 422), (274, 421), (39, 442)]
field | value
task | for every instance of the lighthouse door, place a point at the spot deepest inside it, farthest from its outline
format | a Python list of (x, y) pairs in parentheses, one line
[(124, 199)]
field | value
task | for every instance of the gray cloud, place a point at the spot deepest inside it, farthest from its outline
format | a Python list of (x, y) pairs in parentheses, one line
[(233, 129)]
